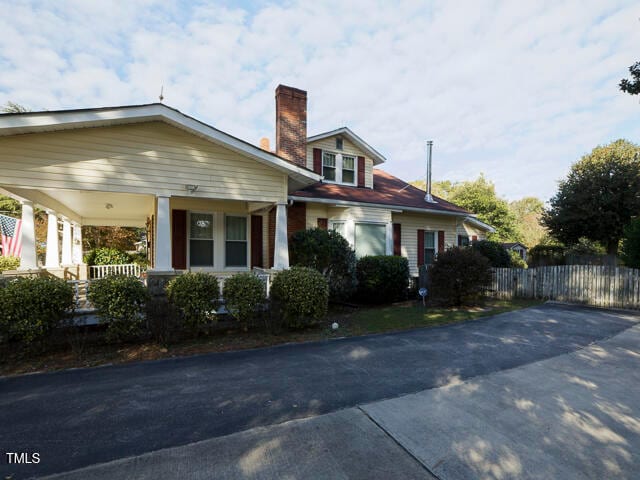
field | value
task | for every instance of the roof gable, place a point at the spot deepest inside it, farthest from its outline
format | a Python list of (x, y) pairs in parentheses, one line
[(371, 152), (32, 122)]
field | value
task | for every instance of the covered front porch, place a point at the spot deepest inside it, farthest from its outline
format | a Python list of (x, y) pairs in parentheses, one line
[(184, 233), (203, 196)]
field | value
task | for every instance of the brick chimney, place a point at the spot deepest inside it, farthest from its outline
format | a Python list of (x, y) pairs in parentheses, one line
[(291, 124)]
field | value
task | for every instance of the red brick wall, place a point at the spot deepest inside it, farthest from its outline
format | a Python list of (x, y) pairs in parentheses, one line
[(296, 218), (291, 124)]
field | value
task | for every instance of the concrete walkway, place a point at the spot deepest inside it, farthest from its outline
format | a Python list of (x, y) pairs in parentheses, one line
[(573, 416)]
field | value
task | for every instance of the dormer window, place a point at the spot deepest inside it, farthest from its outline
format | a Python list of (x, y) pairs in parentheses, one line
[(339, 143), (339, 168), (329, 166), (348, 169)]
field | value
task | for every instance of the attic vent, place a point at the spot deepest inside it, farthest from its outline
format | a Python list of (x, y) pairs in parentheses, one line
[(338, 143)]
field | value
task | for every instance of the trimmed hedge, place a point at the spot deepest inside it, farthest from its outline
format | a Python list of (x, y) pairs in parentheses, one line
[(458, 276), (120, 301), (494, 252), (31, 308), (195, 296), (243, 294), (382, 278), (328, 252), (300, 296)]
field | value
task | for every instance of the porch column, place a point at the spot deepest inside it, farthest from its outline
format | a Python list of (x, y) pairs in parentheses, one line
[(28, 257), (76, 254), (53, 250), (67, 246), (163, 236), (281, 247)]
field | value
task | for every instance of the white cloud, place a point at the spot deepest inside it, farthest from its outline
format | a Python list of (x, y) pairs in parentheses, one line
[(517, 90)]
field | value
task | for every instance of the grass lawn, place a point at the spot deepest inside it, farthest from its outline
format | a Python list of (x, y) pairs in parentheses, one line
[(352, 322)]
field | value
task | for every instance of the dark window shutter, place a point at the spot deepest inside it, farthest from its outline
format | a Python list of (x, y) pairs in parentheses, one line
[(361, 171), (474, 238), (420, 247), (179, 239), (323, 223), (440, 240), (317, 160), (256, 241), (459, 240), (397, 229)]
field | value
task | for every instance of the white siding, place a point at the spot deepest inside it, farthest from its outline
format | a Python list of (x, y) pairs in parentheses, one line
[(466, 229), (411, 223), (152, 158), (360, 214), (349, 148), (368, 173), (314, 212)]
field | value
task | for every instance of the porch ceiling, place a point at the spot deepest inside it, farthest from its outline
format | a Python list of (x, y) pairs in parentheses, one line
[(92, 208)]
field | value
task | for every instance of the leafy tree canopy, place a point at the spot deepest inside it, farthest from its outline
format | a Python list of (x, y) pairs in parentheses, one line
[(598, 197), (11, 107), (479, 196), (632, 87), (528, 211)]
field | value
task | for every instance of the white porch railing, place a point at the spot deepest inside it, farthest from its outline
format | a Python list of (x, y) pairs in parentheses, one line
[(81, 294), (265, 276), (101, 271)]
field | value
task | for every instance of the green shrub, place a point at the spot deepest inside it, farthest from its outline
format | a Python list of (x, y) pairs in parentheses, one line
[(382, 279), (494, 252), (9, 263), (458, 276), (328, 252), (516, 260), (243, 294), (300, 296), (195, 296), (120, 301), (31, 308), (546, 255), (107, 256), (631, 244), (139, 258)]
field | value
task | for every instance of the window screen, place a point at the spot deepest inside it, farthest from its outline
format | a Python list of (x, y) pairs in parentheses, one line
[(348, 169), (329, 166), (201, 240), (429, 247), (370, 239), (236, 241)]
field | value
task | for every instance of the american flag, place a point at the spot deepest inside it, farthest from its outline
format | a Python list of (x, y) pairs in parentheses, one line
[(10, 229)]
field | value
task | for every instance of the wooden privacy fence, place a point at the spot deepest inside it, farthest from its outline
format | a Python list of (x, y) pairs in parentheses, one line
[(601, 286)]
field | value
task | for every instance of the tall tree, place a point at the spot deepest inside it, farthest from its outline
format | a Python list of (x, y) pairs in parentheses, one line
[(599, 196), (528, 212), (632, 87), (479, 197)]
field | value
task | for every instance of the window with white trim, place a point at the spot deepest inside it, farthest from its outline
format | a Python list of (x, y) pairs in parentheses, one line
[(201, 233), (329, 166), (236, 242), (370, 239), (339, 168), (348, 169), (430, 247)]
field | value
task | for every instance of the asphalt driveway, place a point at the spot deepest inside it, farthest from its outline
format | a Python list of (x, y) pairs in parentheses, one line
[(82, 417)]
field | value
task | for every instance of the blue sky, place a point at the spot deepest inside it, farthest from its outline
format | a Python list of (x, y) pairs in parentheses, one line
[(517, 90)]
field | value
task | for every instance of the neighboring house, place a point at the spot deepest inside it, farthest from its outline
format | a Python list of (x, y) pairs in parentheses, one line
[(208, 200), (519, 248)]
